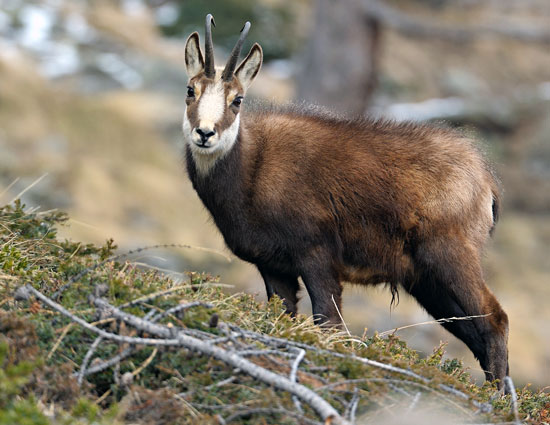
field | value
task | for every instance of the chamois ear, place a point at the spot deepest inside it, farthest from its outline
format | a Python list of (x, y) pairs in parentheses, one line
[(194, 61), (249, 67)]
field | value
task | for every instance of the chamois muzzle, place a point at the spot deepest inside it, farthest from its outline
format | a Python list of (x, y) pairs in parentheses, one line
[(209, 69), (205, 134), (234, 57)]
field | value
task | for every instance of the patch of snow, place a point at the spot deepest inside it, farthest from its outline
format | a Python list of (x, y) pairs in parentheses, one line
[(280, 68), (134, 7), (58, 59), (422, 111), (36, 26), (166, 14), (119, 71), (78, 29)]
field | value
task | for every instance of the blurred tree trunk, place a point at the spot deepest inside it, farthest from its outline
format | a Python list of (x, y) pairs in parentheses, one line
[(340, 62)]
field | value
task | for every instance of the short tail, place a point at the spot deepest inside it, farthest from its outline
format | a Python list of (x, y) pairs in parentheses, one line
[(495, 208)]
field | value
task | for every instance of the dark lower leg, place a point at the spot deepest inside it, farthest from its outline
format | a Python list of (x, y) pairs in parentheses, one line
[(286, 287), (325, 291), (486, 340), (497, 338), (453, 287)]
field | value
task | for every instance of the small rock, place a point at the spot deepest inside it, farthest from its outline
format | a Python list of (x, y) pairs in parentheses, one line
[(100, 290), (22, 294), (127, 379)]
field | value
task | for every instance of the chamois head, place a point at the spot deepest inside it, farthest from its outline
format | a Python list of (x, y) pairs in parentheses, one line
[(214, 96)]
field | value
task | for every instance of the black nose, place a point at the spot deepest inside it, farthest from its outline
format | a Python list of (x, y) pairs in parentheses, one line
[(205, 134)]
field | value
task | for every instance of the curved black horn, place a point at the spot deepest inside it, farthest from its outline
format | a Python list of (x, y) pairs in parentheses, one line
[(209, 69), (232, 61)]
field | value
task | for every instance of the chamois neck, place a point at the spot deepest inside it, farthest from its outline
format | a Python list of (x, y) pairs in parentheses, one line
[(222, 185)]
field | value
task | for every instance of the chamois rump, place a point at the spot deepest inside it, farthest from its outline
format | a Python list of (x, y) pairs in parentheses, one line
[(302, 193)]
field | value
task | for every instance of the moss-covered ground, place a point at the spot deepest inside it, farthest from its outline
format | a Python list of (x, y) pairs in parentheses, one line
[(41, 351)]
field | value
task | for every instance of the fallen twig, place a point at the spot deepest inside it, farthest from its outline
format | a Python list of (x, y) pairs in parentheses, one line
[(146, 363), (431, 322), (300, 356), (34, 183), (172, 336), (111, 362), (414, 402), (58, 342), (87, 358), (179, 308), (352, 407), (235, 346), (101, 332), (509, 385), (324, 409)]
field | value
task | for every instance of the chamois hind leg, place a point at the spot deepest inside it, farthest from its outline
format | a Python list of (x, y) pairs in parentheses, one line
[(286, 286), (450, 284)]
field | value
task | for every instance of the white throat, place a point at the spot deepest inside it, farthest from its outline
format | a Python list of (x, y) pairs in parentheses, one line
[(206, 158)]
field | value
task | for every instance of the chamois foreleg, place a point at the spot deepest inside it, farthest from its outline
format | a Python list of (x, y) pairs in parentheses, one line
[(450, 284), (323, 286), (286, 286)]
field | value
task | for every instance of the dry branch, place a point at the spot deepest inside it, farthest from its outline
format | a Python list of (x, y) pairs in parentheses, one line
[(293, 372), (100, 332), (324, 409), (239, 343), (111, 362), (352, 406), (509, 385), (87, 358), (172, 336), (178, 309), (279, 342), (432, 322)]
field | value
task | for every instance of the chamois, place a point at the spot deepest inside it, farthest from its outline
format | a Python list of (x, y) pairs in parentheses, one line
[(303, 193)]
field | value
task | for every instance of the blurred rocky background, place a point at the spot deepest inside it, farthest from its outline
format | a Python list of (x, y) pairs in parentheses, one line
[(92, 94)]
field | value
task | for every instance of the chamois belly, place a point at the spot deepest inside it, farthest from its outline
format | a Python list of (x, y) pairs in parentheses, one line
[(362, 275), (376, 258)]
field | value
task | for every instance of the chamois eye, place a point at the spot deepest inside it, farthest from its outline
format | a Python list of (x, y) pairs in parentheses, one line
[(190, 92), (237, 101)]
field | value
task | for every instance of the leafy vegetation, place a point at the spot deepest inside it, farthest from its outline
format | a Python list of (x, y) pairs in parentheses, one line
[(41, 351)]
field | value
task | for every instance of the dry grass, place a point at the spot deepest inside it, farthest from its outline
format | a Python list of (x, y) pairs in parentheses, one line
[(167, 386)]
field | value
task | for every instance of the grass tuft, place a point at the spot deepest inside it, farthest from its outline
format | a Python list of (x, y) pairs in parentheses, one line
[(41, 351)]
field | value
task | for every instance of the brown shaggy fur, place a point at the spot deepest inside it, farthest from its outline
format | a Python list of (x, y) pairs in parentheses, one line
[(331, 200), (303, 193)]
